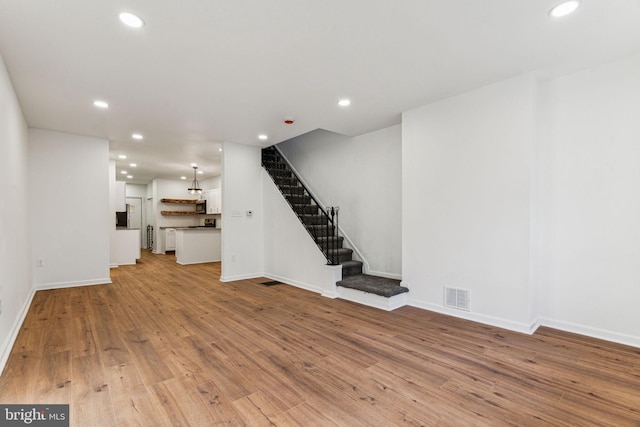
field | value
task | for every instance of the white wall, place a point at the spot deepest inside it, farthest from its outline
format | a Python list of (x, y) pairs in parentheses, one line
[(363, 176), (139, 191), (70, 212), (290, 254), (15, 260), (242, 235), (467, 191), (113, 247), (211, 183), (590, 216), (171, 189), (136, 190)]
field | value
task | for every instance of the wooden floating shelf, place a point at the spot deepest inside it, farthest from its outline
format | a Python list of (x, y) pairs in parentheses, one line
[(182, 201), (178, 213)]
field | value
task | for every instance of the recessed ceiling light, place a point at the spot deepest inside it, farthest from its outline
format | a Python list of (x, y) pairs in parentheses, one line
[(100, 104), (344, 102), (133, 165), (122, 156), (137, 136), (200, 172), (124, 172), (183, 177), (564, 9), (261, 137), (220, 149), (194, 165), (129, 176), (131, 20)]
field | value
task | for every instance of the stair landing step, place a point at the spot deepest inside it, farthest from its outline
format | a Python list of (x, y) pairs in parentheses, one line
[(373, 284)]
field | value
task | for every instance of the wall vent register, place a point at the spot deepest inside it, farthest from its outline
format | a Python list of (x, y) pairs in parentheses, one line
[(457, 298)]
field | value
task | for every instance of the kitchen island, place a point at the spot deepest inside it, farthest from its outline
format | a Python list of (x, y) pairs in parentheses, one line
[(125, 246), (196, 245)]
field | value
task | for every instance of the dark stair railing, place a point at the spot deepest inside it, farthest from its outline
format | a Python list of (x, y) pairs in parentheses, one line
[(320, 223)]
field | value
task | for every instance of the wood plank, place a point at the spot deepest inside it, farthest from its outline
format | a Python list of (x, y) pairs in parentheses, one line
[(172, 345), (58, 336), (178, 213), (53, 384), (225, 374), (187, 396), (84, 340), (218, 404), (303, 415), (180, 201), (19, 378), (150, 364), (170, 405), (281, 393), (256, 410), (92, 404)]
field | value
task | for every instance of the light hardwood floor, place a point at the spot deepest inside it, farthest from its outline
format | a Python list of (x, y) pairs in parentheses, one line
[(171, 345)]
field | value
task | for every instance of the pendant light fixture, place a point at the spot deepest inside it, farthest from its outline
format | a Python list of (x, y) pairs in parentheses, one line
[(195, 185)]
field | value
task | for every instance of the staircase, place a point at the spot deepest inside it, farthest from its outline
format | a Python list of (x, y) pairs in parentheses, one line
[(322, 225)]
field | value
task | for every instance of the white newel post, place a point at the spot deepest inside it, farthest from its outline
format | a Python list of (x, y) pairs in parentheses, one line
[(333, 275)]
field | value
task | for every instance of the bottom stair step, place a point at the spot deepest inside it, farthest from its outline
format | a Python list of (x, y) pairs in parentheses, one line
[(351, 268), (373, 284)]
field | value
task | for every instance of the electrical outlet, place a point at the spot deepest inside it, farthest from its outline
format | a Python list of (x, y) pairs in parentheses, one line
[(233, 257), (39, 263)]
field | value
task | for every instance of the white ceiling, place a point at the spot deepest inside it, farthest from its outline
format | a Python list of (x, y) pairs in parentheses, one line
[(205, 71)]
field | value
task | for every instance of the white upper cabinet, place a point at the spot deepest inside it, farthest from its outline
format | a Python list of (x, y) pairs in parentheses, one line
[(121, 196), (214, 201)]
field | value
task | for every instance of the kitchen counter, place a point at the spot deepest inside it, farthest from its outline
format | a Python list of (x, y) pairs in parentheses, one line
[(126, 246), (195, 245)]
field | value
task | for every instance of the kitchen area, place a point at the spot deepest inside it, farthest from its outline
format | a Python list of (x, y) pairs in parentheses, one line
[(193, 243), (167, 220)]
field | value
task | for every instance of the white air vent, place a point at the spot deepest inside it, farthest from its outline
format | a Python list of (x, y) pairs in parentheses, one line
[(456, 298)]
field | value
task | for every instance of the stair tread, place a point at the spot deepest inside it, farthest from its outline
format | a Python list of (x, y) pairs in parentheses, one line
[(373, 284), (345, 251), (316, 222), (352, 263)]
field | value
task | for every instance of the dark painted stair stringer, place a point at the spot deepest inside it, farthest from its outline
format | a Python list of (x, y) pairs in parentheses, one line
[(320, 226)]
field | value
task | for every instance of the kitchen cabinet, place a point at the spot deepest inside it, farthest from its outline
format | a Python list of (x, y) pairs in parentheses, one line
[(121, 196), (198, 245), (170, 239), (126, 244), (214, 201)]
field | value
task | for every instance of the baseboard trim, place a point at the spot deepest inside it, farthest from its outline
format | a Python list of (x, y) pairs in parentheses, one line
[(241, 277), (385, 275), (196, 262), (285, 280), (624, 339), (11, 339), (480, 318), (295, 283), (61, 285)]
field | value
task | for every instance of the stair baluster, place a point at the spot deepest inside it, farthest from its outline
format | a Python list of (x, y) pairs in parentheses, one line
[(320, 223)]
